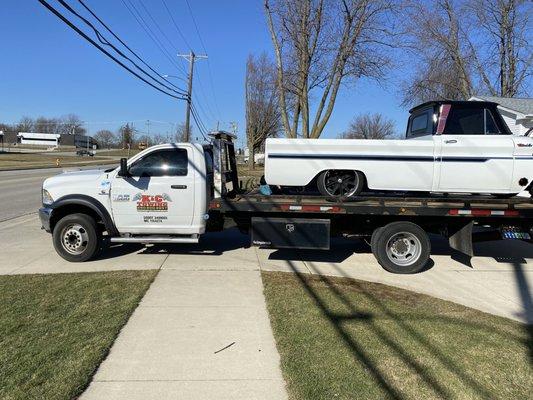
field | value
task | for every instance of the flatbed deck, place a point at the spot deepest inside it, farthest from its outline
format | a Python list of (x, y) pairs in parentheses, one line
[(438, 205)]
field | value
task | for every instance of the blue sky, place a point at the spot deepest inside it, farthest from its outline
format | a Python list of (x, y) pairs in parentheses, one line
[(46, 69)]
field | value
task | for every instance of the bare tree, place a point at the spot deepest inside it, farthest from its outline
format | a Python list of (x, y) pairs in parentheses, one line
[(127, 134), (318, 44), (180, 133), (262, 111), (438, 53), (105, 138), (26, 124), (504, 58), (7, 128), (463, 47), (370, 126), (160, 139), (47, 125), (72, 124)]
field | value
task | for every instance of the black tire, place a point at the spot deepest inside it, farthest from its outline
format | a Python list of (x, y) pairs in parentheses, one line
[(350, 184), (76, 238), (374, 238), (401, 247)]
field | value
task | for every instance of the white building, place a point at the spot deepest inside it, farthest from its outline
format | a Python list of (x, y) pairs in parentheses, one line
[(39, 139), (517, 112)]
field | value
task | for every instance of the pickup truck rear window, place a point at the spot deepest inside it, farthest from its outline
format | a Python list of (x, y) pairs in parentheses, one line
[(420, 124), (167, 162)]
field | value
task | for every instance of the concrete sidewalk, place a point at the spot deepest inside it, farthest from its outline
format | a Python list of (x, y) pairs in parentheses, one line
[(201, 332)]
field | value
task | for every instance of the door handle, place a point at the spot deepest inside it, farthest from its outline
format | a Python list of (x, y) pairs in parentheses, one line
[(178, 186), (450, 141)]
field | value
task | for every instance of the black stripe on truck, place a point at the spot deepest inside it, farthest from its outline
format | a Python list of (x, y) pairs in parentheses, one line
[(385, 158)]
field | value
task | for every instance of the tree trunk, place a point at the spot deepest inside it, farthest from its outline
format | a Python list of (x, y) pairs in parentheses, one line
[(251, 155)]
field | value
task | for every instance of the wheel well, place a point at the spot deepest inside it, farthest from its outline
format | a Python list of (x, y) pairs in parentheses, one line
[(73, 209)]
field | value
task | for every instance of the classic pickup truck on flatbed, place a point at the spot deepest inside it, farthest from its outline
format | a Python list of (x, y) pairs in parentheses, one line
[(174, 193), (450, 147)]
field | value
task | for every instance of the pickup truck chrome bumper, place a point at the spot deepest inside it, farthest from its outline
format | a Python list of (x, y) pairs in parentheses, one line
[(44, 215)]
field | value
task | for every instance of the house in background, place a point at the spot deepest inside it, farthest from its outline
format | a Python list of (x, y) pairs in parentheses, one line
[(517, 112)]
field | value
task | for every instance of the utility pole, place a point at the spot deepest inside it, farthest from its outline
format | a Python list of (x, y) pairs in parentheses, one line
[(191, 57)]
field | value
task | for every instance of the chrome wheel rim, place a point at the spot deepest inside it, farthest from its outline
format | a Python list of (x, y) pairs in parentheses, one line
[(74, 239), (404, 248), (341, 183)]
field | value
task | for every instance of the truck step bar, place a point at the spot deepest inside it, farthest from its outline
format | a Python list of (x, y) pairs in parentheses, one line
[(156, 239)]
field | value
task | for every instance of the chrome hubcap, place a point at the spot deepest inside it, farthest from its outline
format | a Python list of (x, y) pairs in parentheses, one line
[(74, 239), (404, 249)]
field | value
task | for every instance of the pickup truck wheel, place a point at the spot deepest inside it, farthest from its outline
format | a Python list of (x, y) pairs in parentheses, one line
[(401, 247), (76, 237), (340, 184)]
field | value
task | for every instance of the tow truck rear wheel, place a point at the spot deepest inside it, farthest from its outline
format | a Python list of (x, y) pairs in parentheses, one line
[(401, 247), (76, 237)]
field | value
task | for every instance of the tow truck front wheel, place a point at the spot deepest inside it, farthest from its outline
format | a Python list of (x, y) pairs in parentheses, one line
[(76, 237), (401, 247)]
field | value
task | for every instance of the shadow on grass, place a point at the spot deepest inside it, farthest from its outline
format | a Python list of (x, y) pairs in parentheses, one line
[(357, 349)]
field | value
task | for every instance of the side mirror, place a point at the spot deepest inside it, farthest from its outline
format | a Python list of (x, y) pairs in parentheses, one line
[(123, 168)]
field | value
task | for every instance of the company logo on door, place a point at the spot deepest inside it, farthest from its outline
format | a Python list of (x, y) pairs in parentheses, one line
[(152, 202)]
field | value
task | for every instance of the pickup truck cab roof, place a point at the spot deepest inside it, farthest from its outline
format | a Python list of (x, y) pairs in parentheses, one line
[(454, 102), (456, 106)]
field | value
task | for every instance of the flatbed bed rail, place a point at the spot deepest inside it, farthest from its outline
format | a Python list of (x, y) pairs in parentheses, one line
[(453, 206)]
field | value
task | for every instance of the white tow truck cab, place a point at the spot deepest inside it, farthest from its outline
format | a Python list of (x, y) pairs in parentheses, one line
[(173, 193), (161, 195)]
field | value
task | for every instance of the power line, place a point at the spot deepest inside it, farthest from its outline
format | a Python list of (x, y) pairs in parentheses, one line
[(210, 114), (143, 24), (105, 42), (176, 25), (198, 121), (82, 34), (201, 109), (205, 51), (159, 29), (124, 44)]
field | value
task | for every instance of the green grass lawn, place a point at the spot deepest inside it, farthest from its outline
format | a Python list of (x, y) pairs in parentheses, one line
[(56, 329), (346, 339)]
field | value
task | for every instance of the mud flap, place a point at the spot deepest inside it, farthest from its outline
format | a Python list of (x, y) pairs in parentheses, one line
[(460, 238)]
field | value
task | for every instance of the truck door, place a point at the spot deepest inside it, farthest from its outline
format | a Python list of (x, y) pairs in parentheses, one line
[(473, 152), (158, 196)]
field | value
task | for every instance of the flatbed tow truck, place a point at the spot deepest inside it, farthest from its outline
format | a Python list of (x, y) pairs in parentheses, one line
[(395, 225)]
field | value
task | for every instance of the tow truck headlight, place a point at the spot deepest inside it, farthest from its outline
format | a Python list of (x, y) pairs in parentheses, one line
[(47, 198)]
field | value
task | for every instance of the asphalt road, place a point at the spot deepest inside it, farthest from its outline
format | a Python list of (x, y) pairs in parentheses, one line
[(20, 191)]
